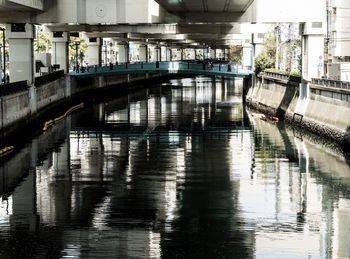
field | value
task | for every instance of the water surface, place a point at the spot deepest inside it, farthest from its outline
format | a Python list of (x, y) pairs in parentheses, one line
[(180, 170)]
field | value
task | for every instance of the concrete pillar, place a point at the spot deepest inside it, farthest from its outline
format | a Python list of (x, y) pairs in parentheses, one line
[(94, 52), (247, 58), (20, 37), (157, 53), (312, 52), (163, 50), (212, 53), (192, 55), (60, 54), (143, 53), (168, 54), (123, 52)]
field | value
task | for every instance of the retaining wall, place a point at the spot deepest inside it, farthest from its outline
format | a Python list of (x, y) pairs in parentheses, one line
[(20, 107), (322, 110)]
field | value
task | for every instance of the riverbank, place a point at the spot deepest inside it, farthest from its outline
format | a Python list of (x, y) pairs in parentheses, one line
[(322, 110)]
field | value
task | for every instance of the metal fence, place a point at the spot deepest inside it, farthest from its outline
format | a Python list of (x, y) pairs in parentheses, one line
[(41, 80), (12, 88), (331, 83), (296, 79)]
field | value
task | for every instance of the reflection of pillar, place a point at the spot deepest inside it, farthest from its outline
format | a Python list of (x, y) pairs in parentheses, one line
[(60, 50), (101, 112), (128, 108), (143, 55), (147, 96), (94, 52), (123, 52), (24, 212), (20, 37)]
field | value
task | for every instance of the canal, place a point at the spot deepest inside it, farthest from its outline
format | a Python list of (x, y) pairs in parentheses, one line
[(179, 170)]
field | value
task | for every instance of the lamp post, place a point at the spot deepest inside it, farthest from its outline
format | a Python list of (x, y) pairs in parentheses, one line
[(4, 54), (76, 44)]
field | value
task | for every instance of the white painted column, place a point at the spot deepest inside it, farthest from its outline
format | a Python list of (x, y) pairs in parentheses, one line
[(312, 52), (168, 54), (192, 55), (247, 59), (21, 52), (60, 52), (94, 52), (123, 52), (163, 51), (212, 53), (143, 53)]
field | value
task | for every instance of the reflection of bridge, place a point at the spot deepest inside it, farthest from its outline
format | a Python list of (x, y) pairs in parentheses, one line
[(192, 68)]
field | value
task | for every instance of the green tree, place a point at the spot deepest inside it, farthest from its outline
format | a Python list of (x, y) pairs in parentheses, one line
[(236, 53), (266, 59), (82, 49), (43, 43)]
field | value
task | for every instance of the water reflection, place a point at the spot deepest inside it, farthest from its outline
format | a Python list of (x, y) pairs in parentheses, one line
[(179, 170)]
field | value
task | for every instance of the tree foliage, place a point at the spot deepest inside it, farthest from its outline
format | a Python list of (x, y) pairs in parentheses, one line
[(236, 53), (266, 59), (82, 50), (43, 43)]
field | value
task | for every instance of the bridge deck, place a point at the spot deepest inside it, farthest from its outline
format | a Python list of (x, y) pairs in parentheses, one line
[(166, 67)]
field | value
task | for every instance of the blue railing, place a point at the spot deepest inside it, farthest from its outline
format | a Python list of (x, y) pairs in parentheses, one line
[(170, 67)]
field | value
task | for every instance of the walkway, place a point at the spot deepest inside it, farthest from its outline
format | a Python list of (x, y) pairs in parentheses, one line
[(175, 67)]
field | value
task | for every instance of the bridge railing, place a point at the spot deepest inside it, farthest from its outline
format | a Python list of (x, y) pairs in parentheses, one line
[(331, 83), (165, 65)]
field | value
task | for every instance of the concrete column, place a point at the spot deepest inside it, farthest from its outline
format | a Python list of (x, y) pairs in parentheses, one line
[(143, 53), (192, 54), (157, 53), (94, 52), (60, 54), (212, 53), (312, 52), (247, 58), (20, 37), (123, 52), (168, 54), (163, 50)]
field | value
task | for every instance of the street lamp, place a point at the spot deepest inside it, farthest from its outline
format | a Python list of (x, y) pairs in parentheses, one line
[(76, 44)]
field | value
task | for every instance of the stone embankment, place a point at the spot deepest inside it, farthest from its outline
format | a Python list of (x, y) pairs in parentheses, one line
[(320, 106)]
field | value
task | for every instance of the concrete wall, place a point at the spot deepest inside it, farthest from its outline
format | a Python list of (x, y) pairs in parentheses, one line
[(50, 93), (22, 106), (324, 111), (14, 107)]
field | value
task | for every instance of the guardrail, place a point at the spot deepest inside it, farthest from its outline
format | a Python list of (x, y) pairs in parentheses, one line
[(169, 66), (331, 83), (12, 88), (296, 79), (42, 80)]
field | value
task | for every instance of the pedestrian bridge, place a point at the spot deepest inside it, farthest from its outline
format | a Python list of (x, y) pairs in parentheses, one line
[(187, 68)]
